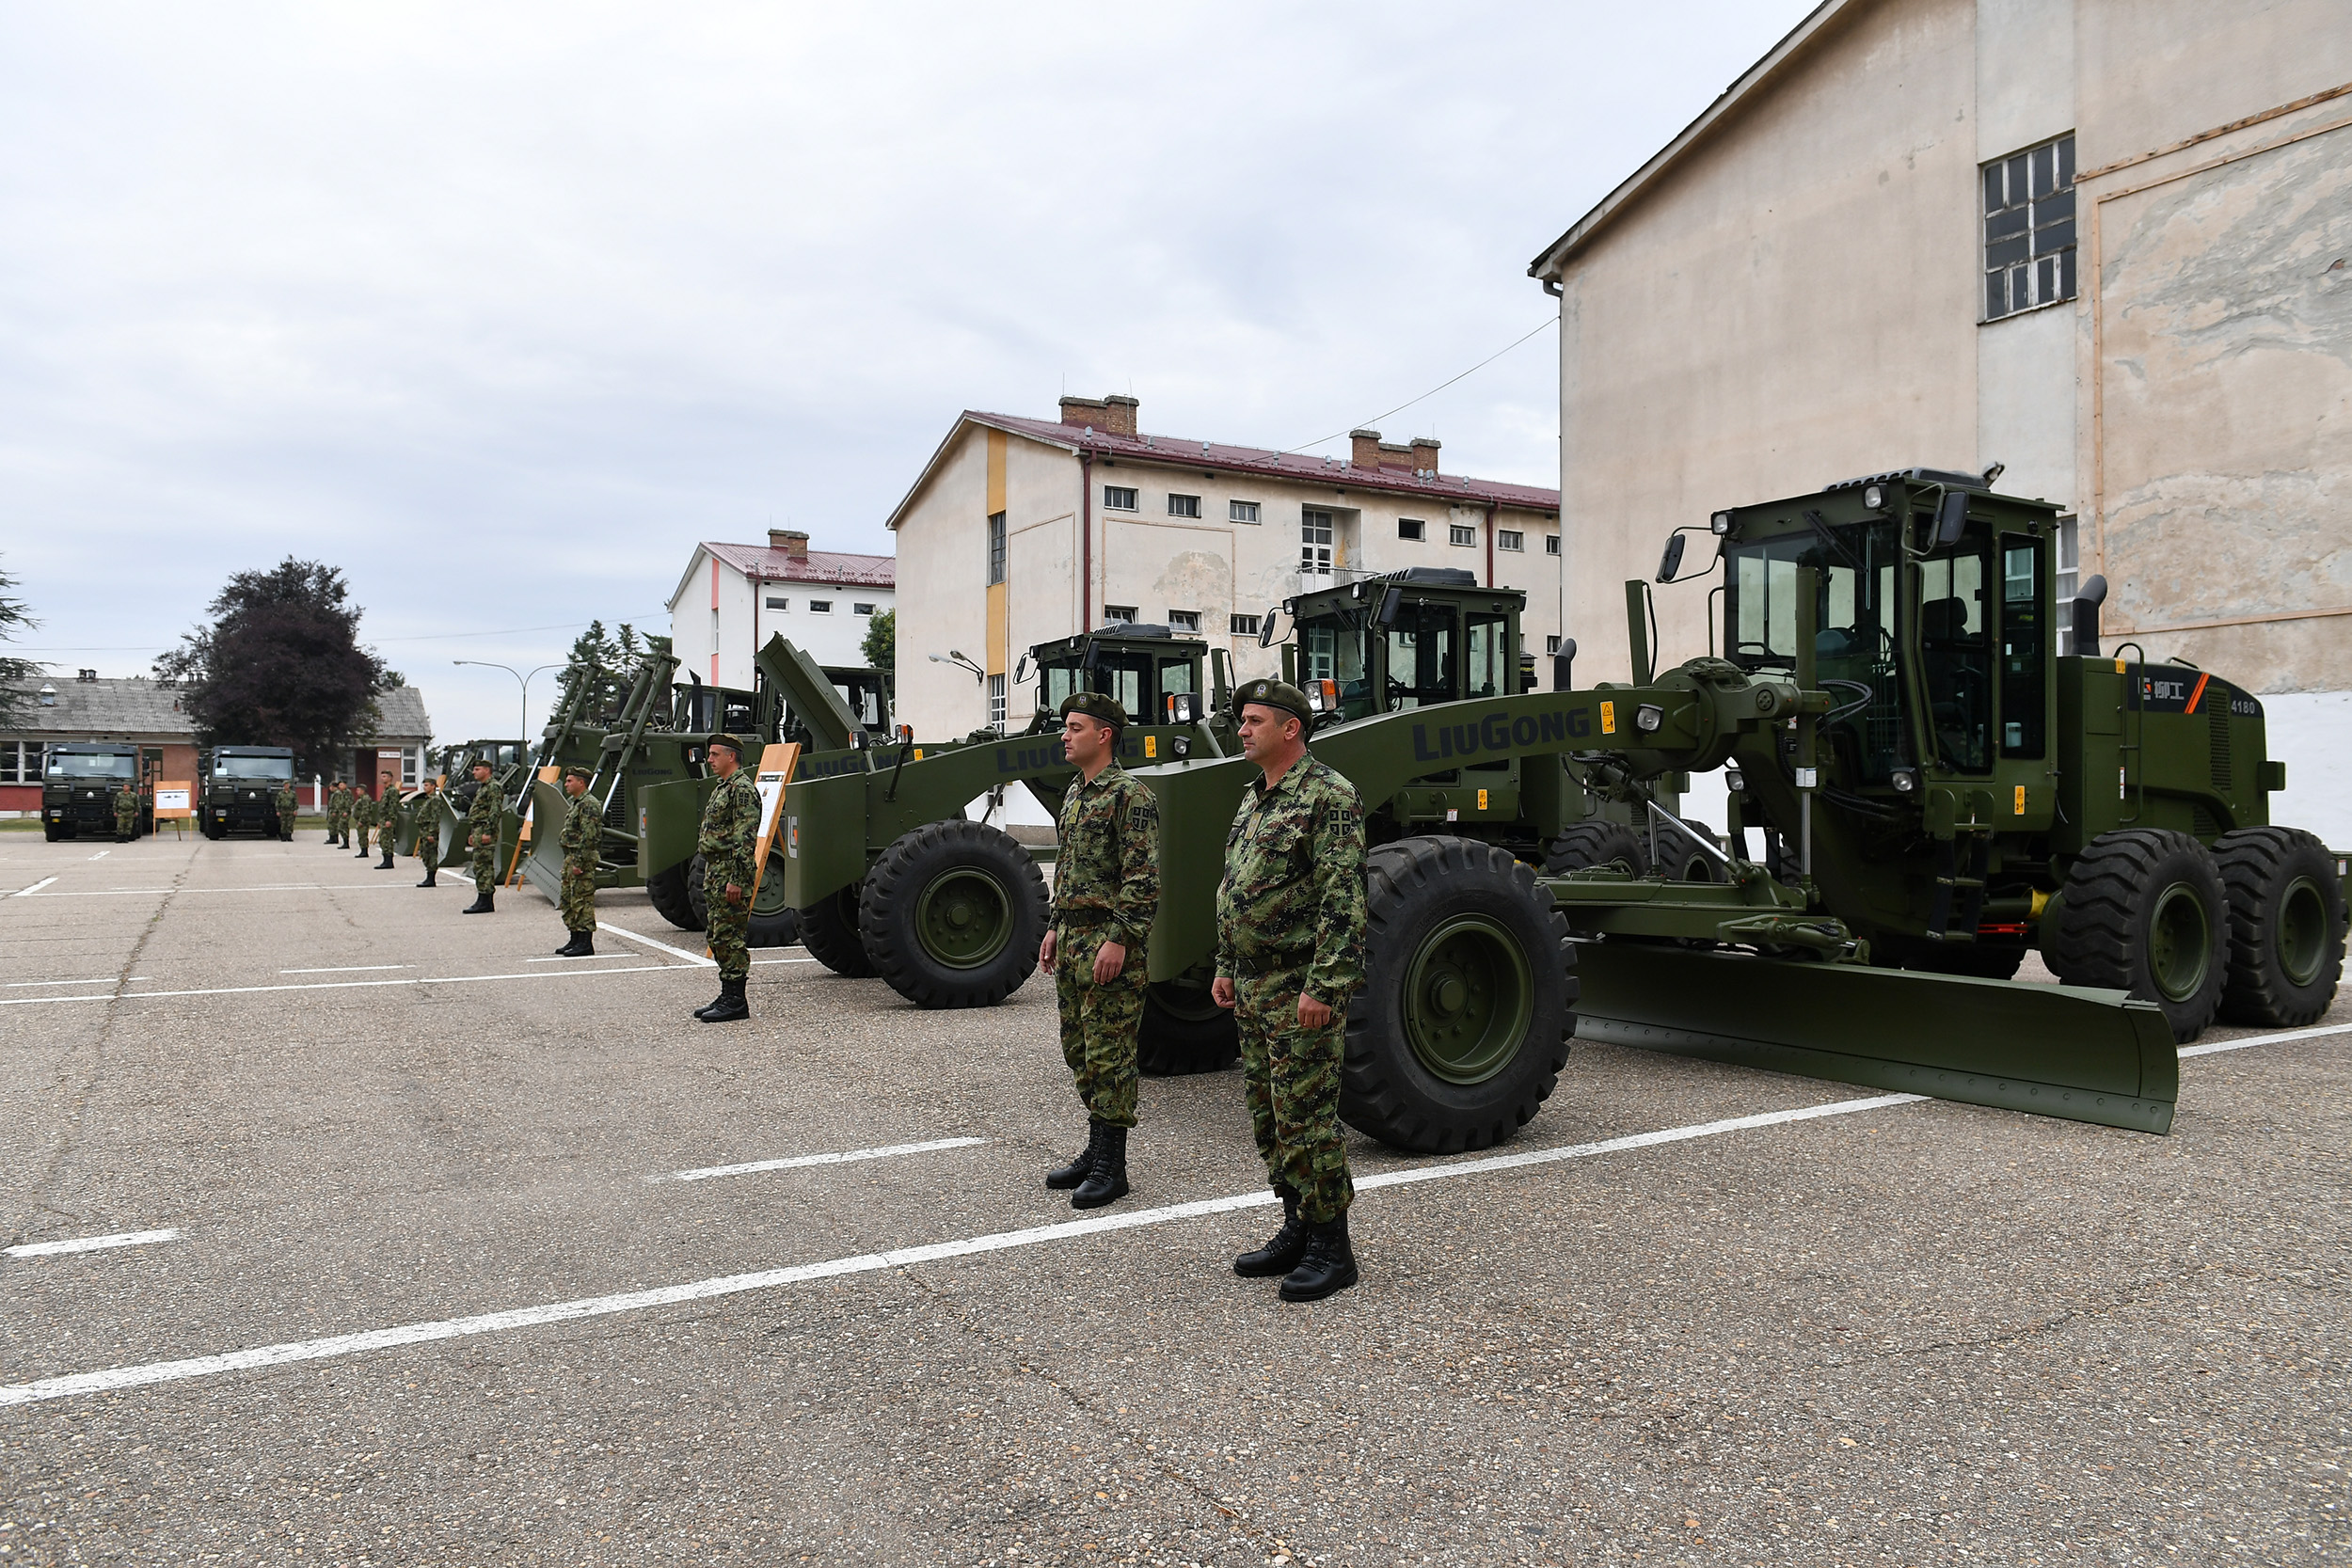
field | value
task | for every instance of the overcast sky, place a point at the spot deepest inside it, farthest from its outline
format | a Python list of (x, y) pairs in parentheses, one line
[(500, 309)]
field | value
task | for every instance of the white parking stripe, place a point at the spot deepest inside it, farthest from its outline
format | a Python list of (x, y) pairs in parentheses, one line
[(91, 1243), (2266, 1040), (102, 854), (28, 892), (662, 946), (337, 984), (801, 1161), (345, 969), (13, 985)]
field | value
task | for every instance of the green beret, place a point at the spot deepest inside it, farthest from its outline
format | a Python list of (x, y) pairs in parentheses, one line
[(586, 773), (724, 739), (1096, 706), (1274, 694)]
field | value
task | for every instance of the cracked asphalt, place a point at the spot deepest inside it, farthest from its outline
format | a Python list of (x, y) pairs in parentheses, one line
[(1913, 1334)]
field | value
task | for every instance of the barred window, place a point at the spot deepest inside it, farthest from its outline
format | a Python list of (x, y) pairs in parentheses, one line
[(1242, 625), (1461, 533), (1123, 614), (1183, 506), (1241, 511), (2029, 229), (1119, 498), (1510, 539), (996, 703), (1183, 620), (1551, 544)]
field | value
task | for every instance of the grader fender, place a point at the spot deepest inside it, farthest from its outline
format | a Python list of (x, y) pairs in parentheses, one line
[(2056, 1050)]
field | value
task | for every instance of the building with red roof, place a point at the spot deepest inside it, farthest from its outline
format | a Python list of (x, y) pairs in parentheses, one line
[(733, 597)]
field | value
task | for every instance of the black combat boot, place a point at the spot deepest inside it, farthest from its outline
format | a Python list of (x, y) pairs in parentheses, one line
[(581, 946), (1281, 1253), (1329, 1266), (1063, 1178), (386, 863), (1108, 1181), (482, 904), (428, 880), (730, 1005)]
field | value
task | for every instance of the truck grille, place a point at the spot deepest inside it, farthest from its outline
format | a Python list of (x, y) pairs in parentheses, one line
[(2217, 725)]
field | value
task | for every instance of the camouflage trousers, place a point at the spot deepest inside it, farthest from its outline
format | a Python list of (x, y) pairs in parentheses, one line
[(363, 829), (727, 927), (429, 851), (1099, 1023), (127, 823), (1291, 1082), (579, 902), (483, 863)]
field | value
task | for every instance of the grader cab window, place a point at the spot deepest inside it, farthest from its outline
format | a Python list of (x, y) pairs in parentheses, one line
[(1489, 645), (1856, 644), (1421, 656), (1955, 654), (1331, 648), (2024, 643)]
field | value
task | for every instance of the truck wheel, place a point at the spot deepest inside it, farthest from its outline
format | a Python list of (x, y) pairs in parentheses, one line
[(1585, 846), (953, 914), (2143, 912), (773, 922), (1184, 1031), (1463, 1024), (2286, 925), (829, 931), (49, 831), (671, 899), (1684, 861)]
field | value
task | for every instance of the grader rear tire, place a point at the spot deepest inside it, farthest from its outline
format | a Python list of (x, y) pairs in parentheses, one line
[(2287, 926), (2143, 912), (829, 931), (954, 914), (1587, 846), (672, 898), (1462, 1026), (1184, 1032), (771, 925)]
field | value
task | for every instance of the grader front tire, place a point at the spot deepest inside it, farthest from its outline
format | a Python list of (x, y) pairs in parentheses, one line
[(953, 914)]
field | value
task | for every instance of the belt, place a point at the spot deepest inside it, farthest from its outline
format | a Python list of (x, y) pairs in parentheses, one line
[(1082, 917), (1272, 963)]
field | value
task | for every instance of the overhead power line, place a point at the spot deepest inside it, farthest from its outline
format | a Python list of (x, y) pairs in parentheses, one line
[(1359, 424)]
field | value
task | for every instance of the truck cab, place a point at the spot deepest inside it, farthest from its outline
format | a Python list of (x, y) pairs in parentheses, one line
[(238, 787), (78, 785), (1152, 673)]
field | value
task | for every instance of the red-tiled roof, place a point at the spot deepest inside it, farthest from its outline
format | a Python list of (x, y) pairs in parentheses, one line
[(873, 571), (1177, 452)]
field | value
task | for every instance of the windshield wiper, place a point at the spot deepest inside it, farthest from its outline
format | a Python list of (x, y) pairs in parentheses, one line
[(1829, 536)]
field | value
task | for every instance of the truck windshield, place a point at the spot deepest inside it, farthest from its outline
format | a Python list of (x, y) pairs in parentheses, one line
[(1331, 648), (72, 765), (862, 701), (1856, 644), (253, 767)]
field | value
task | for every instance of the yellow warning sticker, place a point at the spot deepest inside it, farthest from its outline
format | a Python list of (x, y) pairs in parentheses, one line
[(1608, 718), (1482, 799), (1150, 744), (2020, 809)]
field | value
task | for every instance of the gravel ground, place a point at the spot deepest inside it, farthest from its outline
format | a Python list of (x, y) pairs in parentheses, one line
[(1917, 1334)]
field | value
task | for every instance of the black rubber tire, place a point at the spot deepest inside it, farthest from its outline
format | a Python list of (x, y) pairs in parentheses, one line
[(1184, 1032), (2259, 868), (1414, 889), (2106, 916), (890, 913), (1585, 846), (672, 898), (829, 931), (1686, 862), (780, 930), (49, 831)]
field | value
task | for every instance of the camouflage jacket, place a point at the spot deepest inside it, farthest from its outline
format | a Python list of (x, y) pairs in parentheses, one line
[(730, 827), (1109, 860), (583, 833), (481, 817), (338, 808), (1293, 889), (126, 801), (285, 802), (362, 809)]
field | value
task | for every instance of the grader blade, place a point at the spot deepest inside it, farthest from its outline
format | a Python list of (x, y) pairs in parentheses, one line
[(2054, 1051)]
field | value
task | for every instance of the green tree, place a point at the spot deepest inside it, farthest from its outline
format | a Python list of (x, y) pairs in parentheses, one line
[(880, 646), (16, 674), (618, 655), (281, 665)]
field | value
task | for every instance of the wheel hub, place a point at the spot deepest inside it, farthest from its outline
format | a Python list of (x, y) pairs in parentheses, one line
[(1469, 996), (2303, 930), (2180, 942), (964, 918)]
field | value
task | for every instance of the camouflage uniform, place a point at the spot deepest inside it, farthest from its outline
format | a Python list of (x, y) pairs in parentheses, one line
[(482, 836), (1107, 886), (337, 814), (583, 836), (284, 802), (729, 833), (362, 815), (126, 813), (428, 840), (1290, 918)]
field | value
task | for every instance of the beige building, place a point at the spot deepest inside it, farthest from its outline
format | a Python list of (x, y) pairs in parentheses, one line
[(1021, 531), (2105, 243), (732, 598)]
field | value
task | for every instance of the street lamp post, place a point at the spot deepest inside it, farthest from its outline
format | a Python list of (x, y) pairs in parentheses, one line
[(522, 679)]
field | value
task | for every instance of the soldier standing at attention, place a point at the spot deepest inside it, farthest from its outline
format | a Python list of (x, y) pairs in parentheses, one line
[(1106, 887), (429, 829), (481, 840), (1290, 951), (335, 815), (363, 816), (126, 815), (730, 829), (387, 816), (583, 836), (285, 802)]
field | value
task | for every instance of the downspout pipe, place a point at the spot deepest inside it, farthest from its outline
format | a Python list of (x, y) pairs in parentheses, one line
[(1490, 544), (1086, 541)]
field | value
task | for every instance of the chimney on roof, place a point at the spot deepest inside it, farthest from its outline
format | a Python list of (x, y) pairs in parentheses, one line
[(1364, 448), (1424, 454), (791, 541), (1113, 416)]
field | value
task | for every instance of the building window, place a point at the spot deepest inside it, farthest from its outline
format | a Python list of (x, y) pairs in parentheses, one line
[(409, 759), (1551, 544), (1314, 542), (996, 703), (1552, 644), (1241, 511), (2029, 229), (1510, 539), (1183, 620), (1242, 625), (995, 547), (20, 761), (820, 607), (1119, 498), (1411, 528), (714, 628), (774, 603), (2066, 571), (1461, 534), (1123, 614), (1183, 506), (861, 610)]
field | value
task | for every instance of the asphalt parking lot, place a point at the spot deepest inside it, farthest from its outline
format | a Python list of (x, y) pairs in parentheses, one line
[(457, 1253)]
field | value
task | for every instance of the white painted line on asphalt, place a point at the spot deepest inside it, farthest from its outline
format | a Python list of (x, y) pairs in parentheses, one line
[(2266, 1040), (265, 887), (580, 959), (800, 1161), (91, 1243), (834, 1268), (107, 981), (784, 960), (344, 969), (28, 892), (663, 946), (102, 854), (337, 984)]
